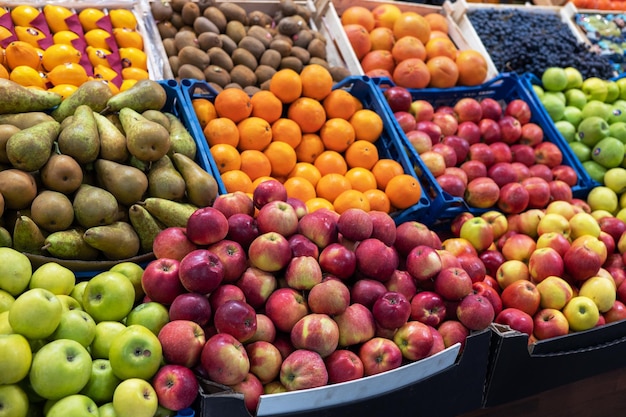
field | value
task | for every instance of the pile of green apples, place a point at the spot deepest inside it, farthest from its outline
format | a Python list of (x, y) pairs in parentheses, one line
[(590, 114), (71, 348)]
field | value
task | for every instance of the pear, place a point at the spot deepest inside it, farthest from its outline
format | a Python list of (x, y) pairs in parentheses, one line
[(6, 241), (170, 213), (25, 120), (80, 138), (18, 188), (27, 236), (52, 211), (19, 99), (128, 184), (157, 116), (164, 181), (201, 186), (6, 131), (145, 139), (69, 244), (116, 241), (180, 138), (145, 224), (143, 95), (61, 173), (94, 206), (95, 94), (112, 141), (30, 148)]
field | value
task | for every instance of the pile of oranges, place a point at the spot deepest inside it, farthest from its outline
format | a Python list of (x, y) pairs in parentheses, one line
[(318, 141)]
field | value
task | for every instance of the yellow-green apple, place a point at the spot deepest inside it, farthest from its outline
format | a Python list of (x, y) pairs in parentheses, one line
[(511, 271), (548, 323), (337, 260), (452, 283), (582, 313), (107, 410), (233, 203), (35, 313), (456, 224), (13, 400), (423, 262), (519, 247), (135, 353), (475, 312), (331, 296), (555, 292), (384, 227), (173, 243), (380, 354), (414, 339), (356, 325), (134, 273), (237, 318), (366, 291), (256, 286), (374, 259), (252, 389), (201, 271), (176, 386), (583, 224), (615, 313), (74, 405), (76, 325), (102, 382), (601, 290), (265, 329), (242, 228), (543, 263), (564, 208), (269, 190), (488, 292), (182, 342), (478, 232), (593, 243), (54, 277), (355, 224), (135, 397), (343, 365), (498, 222), (224, 359), (274, 387), (106, 332), (303, 369), (492, 259), (316, 332), (109, 296), (554, 240), (15, 270), (621, 244), (160, 280), (303, 272), (402, 282), (190, 306), (60, 368), (6, 300), (391, 310), (538, 191), (277, 216), (269, 252), (453, 331), (320, 227), (474, 266), (223, 293), (528, 221), (523, 295), (15, 358), (581, 262), (206, 225), (265, 360), (69, 303), (285, 307), (233, 258), (516, 320)]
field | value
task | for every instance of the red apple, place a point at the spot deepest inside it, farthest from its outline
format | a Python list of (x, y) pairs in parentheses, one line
[(502, 173), (384, 227), (233, 258), (501, 152), (366, 291), (252, 389), (303, 273), (191, 306), (488, 292), (616, 313), (522, 170), (343, 365), (223, 293), (541, 171), (374, 259), (401, 281), (448, 153), (482, 193), (420, 141), (532, 134), (538, 192), (225, 360), (453, 331), (337, 260), (378, 355), (285, 306), (317, 332), (233, 203), (423, 262), (242, 228), (265, 330), (431, 128), (201, 271), (269, 190), (182, 342), (414, 339), (331, 297), (356, 325), (510, 129), (545, 262), (459, 144), (614, 226), (565, 173), (355, 224), (475, 312), (474, 267), (492, 259), (237, 318), (474, 169), (421, 110), (519, 109), (302, 246), (523, 295), (516, 320), (269, 252), (173, 243), (303, 369), (428, 307), (398, 98), (160, 280), (548, 323), (468, 108), (549, 154), (410, 234), (256, 285), (554, 240), (452, 184), (519, 247), (391, 310), (265, 360), (320, 227), (298, 205), (405, 120), (581, 262), (277, 216), (514, 198), (453, 283), (490, 131), (491, 108), (207, 225), (524, 154), (481, 152), (176, 386), (469, 131)]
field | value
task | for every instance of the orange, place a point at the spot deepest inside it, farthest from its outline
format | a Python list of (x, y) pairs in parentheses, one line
[(23, 15), (59, 54), (204, 110), (282, 157), (307, 171), (122, 18), (133, 73), (362, 154), (27, 76), (310, 147), (386, 14), (331, 162), (64, 36), (226, 157), (472, 67), (288, 131), (133, 57), (236, 180), (21, 53), (412, 23), (317, 82), (125, 37), (361, 179), (378, 200), (359, 15), (331, 185), (255, 163), (403, 191), (408, 47), (65, 90), (300, 188), (254, 133), (382, 38), (89, 17), (233, 103), (440, 47), (286, 85), (317, 203), (367, 125), (384, 170), (351, 199), (411, 73), (266, 105), (437, 21), (55, 17), (339, 103), (4, 73), (97, 38), (308, 113), (443, 72), (221, 130), (337, 134)]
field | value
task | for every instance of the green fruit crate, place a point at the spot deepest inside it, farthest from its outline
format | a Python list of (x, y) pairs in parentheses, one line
[(389, 145)]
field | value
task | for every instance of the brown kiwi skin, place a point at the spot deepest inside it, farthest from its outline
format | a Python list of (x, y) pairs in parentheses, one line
[(216, 16), (259, 18), (253, 45), (243, 76), (270, 58), (302, 54), (194, 56), (339, 73), (263, 35), (283, 47), (220, 58), (264, 73), (217, 75), (174, 64), (317, 48), (169, 46), (190, 71), (319, 61), (228, 44), (303, 38), (185, 38), (208, 40), (190, 12), (233, 11), (202, 24), (242, 56), (235, 30), (291, 62), (166, 30)]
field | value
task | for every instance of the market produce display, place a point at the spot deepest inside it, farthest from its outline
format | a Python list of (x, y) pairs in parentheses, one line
[(604, 31)]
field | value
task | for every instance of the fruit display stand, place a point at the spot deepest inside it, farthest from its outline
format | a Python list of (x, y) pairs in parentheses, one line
[(451, 381)]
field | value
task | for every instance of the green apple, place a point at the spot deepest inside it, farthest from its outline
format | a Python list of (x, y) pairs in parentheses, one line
[(76, 325), (582, 151), (615, 179), (583, 223), (608, 152), (60, 368), (13, 401), (603, 198), (595, 170), (618, 130), (35, 313), (133, 272), (78, 291), (69, 303), (15, 271), (75, 405), (566, 129), (621, 84), (600, 214), (54, 277), (151, 315), (102, 382), (109, 296), (576, 98), (618, 112), (165, 412), (595, 88), (538, 91), (613, 92), (135, 353), (106, 332), (581, 313), (15, 358), (553, 105), (621, 215), (596, 108), (135, 397), (5, 326), (6, 300), (573, 115), (106, 410), (592, 129), (554, 79), (574, 77)]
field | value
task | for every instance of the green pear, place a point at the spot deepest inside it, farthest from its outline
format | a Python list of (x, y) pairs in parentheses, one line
[(94, 206), (94, 94), (146, 226), (19, 99), (69, 244), (164, 181), (25, 120), (168, 212), (116, 241), (180, 138), (143, 95), (80, 138), (27, 236), (112, 140), (128, 184), (201, 185), (145, 139), (30, 148)]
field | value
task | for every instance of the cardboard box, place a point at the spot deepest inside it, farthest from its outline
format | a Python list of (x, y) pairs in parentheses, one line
[(443, 385), (518, 370)]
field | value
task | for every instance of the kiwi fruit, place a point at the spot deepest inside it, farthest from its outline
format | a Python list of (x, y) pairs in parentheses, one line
[(317, 48), (319, 61), (217, 75), (252, 45), (270, 58), (303, 38), (216, 87), (233, 11), (208, 40), (174, 64), (161, 10), (177, 20), (291, 62), (190, 12), (203, 24), (185, 38), (177, 5), (170, 47), (302, 54), (304, 12), (264, 73), (288, 7), (281, 46), (251, 89), (220, 58), (339, 73), (241, 56), (259, 18), (235, 30), (233, 85), (194, 56), (216, 16), (166, 30), (243, 75), (228, 44), (190, 71), (263, 35), (289, 25)]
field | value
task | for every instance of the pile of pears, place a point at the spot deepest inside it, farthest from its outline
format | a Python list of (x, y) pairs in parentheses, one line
[(96, 176)]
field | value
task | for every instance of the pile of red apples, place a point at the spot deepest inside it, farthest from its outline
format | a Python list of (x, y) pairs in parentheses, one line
[(265, 297), (486, 151)]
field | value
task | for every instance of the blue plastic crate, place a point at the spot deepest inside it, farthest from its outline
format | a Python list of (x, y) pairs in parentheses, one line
[(389, 145)]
